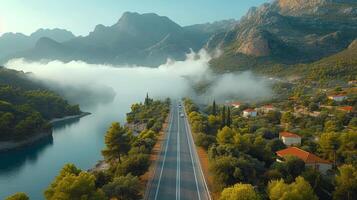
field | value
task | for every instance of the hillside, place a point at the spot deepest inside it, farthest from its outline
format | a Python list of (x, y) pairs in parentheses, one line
[(26, 106), (284, 32)]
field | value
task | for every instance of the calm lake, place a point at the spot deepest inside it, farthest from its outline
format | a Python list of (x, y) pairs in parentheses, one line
[(77, 141)]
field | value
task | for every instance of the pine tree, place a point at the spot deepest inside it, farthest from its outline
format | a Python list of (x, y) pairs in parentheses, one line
[(214, 108), (223, 124)]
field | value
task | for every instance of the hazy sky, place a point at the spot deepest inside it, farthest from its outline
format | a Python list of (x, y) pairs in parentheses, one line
[(81, 16)]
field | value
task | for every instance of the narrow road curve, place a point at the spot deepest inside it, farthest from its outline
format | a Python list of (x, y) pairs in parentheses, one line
[(178, 173)]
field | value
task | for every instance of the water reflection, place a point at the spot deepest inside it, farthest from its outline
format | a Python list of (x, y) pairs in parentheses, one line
[(12, 161)]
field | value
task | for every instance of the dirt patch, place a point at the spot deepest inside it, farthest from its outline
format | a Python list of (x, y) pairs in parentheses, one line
[(154, 156)]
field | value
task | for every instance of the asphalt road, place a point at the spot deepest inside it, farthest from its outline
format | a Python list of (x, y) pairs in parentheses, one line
[(178, 173)]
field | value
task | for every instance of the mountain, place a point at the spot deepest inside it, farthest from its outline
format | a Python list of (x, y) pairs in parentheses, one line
[(287, 32), (138, 39), (14, 42)]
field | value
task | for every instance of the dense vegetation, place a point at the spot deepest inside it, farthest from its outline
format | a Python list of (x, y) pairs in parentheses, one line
[(127, 157), (26, 106), (242, 150)]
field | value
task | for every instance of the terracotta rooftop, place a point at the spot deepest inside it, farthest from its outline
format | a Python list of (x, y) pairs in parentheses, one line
[(346, 108), (288, 134), (249, 110), (307, 157), (268, 106), (338, 95), (236, 103)]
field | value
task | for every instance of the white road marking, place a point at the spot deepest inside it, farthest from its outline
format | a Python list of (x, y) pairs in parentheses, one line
[(193, 165), (163, 162), (188, 128), (178, 169)]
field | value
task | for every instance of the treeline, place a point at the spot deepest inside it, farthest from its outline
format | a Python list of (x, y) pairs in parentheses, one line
[(26, 106), (242, 155), (126, 154)]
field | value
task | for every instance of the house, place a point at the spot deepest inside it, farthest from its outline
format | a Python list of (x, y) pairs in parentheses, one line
[(346, 109), (267, 108), (289, 138), (353, 82), (310, 159), (249, 113), (338, 97), (236, 104)]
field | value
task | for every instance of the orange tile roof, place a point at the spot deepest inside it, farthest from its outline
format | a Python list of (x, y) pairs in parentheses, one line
[(236, 103), (268, 106), (346, 108), (307, 157), (288, 134), (338, 95)]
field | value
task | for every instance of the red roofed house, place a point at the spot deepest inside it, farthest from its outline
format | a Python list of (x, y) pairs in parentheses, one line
[(310, 159), (236, 104), (346, 108), (249, 113), (339, 97), (289, 138), (267, 108)]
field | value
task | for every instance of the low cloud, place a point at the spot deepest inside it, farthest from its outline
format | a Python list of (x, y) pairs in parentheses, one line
[(173, 79)]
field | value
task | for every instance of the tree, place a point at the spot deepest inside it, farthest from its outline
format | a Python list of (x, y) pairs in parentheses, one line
[(223, 117), (287, 118), (117, 142), (136, 164), (123, 187), (229, 118), (225, 171), (73, 183), (214, 108), (214, 123), (239, 192), (298, 190), (348, 150), (328, 144), (18, 196), (147, 100), (346, 183), (225, 136)]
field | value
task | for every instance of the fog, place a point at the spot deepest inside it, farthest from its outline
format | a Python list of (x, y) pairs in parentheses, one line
[(174, 79)]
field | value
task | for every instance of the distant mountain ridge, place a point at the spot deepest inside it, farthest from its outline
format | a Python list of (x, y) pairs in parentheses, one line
[(14, 42), (136, 39)]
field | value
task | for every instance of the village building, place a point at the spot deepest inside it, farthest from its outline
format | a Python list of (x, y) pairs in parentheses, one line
[(289, 138), (339, 97), (236, 104), (267, 108), (249, 113), (346, 109), (310, 159)]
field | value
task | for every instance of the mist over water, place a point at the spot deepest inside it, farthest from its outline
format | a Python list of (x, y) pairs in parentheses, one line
[(173, 79), (108, 92)]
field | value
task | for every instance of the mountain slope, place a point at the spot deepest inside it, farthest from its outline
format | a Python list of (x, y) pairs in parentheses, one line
[(139, 39), (287, 32)]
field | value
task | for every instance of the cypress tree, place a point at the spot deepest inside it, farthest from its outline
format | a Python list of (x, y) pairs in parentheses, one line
[(223, 123), (229, 117), (214, 109), (146, 99)]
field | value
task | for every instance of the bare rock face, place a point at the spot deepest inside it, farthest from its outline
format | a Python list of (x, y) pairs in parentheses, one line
[(255, 45), (298, 5)]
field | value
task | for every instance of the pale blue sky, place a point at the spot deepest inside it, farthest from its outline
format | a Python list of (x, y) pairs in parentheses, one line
[(81, 16)]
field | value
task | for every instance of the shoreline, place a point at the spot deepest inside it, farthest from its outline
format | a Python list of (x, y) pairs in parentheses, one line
[(13, 145)]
